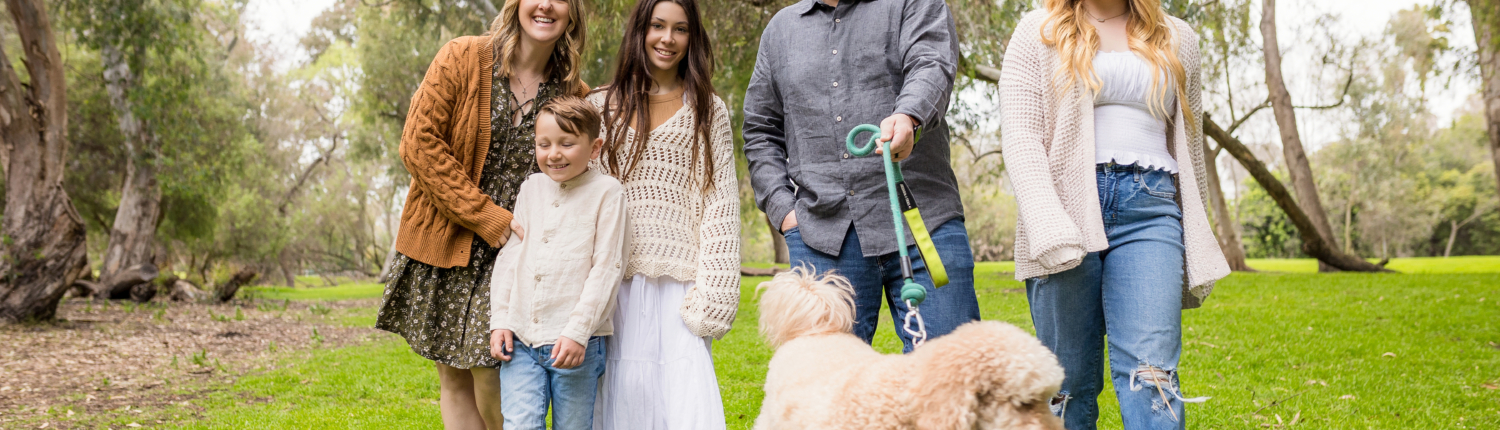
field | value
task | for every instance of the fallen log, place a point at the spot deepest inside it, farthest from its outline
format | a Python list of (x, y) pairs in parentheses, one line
[(120, 286), (143, 292), (240, 278), (184, 291), (84, 289), (771, 271)]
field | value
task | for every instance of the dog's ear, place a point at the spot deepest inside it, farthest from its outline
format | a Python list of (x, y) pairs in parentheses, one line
[(798, 303)]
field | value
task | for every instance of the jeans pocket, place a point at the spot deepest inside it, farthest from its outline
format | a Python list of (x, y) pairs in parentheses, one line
[(1160, 184)]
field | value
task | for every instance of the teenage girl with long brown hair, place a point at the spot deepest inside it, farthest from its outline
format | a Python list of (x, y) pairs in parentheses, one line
[(667, 138), (1101, 137), (468, 145)]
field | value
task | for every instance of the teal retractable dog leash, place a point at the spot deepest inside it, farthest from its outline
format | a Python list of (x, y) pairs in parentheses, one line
[(904, 206)]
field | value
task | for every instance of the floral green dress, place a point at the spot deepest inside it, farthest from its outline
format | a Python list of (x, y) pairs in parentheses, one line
[(444, 314)]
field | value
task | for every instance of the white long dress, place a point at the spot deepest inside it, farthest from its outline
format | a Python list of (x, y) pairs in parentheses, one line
[(659, 375)]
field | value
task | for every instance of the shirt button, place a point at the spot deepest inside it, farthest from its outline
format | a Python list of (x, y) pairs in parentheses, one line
[(851, 192), (846, 155), (555, 204), (835, 52), (839, 118), (835, 84), (538, 277), (536, 320), (837, 20), (544, 240)]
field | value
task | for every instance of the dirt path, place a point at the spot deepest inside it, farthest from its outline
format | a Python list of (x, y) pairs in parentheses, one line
[(118, 358)]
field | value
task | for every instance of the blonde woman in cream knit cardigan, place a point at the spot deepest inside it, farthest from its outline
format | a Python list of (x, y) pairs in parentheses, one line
[(1101, 141), (682, 281)]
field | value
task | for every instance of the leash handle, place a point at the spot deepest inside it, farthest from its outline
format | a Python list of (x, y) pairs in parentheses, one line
[(911, 292)]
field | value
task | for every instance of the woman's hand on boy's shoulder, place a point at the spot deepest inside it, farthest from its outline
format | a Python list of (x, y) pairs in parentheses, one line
[(502, 343)]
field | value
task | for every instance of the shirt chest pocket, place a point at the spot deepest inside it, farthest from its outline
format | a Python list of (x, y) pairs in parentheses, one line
[(872, 65), (570, 237)]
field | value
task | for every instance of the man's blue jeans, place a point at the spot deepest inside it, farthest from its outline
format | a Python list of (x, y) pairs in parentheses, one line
[(879, 278), (1131, 292), (529, 383)]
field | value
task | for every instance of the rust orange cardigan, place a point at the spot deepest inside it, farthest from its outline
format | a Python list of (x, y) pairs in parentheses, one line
[(443, 146)]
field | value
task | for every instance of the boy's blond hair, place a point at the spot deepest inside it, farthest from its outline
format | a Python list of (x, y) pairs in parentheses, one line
[(574, 116)]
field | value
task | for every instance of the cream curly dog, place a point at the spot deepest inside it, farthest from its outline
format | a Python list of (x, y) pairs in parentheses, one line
[(985, 375)]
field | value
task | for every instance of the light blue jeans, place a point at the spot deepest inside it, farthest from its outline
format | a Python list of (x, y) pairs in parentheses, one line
[(529, 383), (878, 279), (1131, 292)]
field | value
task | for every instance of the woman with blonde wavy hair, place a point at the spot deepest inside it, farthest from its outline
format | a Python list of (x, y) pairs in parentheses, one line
[(1101, 140), (468, 145)]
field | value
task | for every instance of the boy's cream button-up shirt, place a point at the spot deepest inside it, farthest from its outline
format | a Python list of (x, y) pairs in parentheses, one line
[(561, 280)]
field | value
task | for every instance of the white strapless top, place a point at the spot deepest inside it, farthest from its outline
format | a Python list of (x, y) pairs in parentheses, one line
[(1125, 131)]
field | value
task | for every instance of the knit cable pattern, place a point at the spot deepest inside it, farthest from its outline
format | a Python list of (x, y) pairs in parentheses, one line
[(678, 228), (1048, 145)]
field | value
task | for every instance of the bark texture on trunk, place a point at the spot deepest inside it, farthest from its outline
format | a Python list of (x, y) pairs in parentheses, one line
[(778, 241), (385, 267), (284, 263), (1286, 120), (42, 237), (1486, 19), (132, 237), (1312, 243), (1224, 225)]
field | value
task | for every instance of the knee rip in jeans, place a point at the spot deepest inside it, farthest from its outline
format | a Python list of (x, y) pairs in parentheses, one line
[(1165, 381), (1060, 404)]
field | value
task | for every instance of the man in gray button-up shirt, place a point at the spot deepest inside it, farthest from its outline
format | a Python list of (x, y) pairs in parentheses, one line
[(824, 67)]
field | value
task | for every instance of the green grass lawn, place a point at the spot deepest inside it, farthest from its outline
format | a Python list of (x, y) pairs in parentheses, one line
[(1342, 351), (1436, 265)]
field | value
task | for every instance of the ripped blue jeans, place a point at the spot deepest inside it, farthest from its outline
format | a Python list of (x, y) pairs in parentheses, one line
[(1130, 292)]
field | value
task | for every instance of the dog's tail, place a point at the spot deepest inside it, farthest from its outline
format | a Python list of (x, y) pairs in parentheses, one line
[(987, 375), (799, 303)]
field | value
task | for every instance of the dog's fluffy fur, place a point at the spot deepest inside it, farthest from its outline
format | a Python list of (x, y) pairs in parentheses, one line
[(984, 375)]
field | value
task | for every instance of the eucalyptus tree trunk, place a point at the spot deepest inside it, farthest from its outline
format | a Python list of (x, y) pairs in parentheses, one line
[(1486, 19), (778, 244), (42, 238), (133, 235), (1291, 140), (1228, 235)]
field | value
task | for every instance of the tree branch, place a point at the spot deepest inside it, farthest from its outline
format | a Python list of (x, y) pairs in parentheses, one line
[(987, 73), (1239, 122), (485, 9), (1312, 242), (307, 172), (1342, 97)]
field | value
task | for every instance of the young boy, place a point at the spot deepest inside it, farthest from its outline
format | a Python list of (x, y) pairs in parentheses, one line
[(553, 292)]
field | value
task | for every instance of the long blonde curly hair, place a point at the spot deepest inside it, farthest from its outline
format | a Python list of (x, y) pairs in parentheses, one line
[(1151, 36), (567, 55)]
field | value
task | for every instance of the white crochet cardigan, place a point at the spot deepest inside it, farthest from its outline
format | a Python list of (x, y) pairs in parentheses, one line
[(1048, 146), (679, 230)]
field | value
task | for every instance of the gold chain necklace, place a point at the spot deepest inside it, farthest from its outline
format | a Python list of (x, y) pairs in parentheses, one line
[(1091, 15)]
